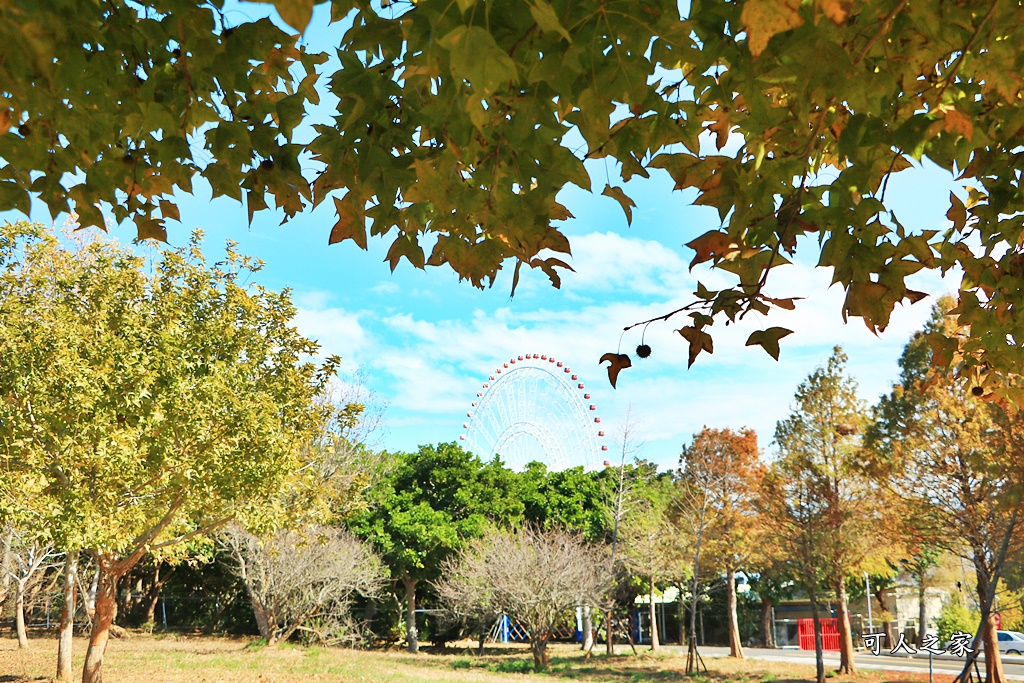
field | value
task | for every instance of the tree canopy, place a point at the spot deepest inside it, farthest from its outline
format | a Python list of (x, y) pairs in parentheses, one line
[(155, 406), (459, 123)]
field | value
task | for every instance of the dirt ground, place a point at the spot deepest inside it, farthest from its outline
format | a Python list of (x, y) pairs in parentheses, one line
[(194, 659)]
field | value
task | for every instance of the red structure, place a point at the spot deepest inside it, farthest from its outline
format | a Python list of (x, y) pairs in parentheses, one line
[(829, 634)]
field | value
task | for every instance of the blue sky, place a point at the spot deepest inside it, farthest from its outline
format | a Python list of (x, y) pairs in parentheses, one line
[(423, 343)]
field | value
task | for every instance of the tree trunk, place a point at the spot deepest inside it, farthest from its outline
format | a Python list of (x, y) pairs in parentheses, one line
[(846, 662), (767, 627), (993, 660), (6, 557), (106, 610), (411, 634), (922, 614), (539, 648), (90, 596), (263, 621), (609, 634), (735, 645), (19, 614), (588, 629), (819, 654), (67, 616), (153, 594), (890, 638), (655, 645), (692, 657)]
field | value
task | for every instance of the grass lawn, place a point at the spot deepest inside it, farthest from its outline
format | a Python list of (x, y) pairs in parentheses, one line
[(187, 659)]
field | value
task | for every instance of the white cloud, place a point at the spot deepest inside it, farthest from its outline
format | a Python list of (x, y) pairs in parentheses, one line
[(429, 370), (338, 331)]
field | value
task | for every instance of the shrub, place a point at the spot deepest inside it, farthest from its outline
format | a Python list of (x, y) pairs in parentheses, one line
[(955, 616)]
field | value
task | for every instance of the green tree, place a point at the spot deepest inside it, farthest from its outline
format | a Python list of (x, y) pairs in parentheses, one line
[(156, 407), (649, 543), (788, 118), (956, 617), (428, 506), (571, 499)]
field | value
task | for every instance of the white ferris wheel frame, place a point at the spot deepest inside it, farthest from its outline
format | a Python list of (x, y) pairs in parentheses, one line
[(507, 413)]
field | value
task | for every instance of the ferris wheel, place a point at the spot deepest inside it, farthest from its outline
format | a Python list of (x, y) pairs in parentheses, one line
[(534, 408)]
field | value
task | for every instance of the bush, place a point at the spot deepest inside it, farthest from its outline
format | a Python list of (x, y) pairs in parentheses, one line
[(956, 617), (513, 666)]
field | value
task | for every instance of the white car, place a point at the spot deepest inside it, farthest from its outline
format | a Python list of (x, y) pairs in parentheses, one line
[(1011, 642)]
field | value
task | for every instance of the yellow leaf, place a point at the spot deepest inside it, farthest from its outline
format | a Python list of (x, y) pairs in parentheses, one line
[(766, 18)]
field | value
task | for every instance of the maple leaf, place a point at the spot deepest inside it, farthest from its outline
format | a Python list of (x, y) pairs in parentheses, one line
[(713, 243), (624, 201), (618, 362), (350, 224), (958, 123), (699, 341), (766, 18), (769, 339), (151, 229), (957, 212), (871, 301), (787, 303)]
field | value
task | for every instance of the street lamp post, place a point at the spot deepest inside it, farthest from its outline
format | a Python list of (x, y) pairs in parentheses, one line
[(867, 592)]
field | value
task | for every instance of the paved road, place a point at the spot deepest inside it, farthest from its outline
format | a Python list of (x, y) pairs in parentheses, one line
[(1013, 665)]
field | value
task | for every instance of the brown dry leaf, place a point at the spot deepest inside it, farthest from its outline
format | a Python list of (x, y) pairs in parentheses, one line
[(710, 244), (624, 201), (619, 362), (699, 341), (957, 212), (766, 18), (720, 128)]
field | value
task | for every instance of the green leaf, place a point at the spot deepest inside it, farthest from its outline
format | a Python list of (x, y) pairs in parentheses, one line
[(769, 339), (405, 245), (13, 196), (544, 14), (290, 111), (477, 58), (766, 18), (151, 229)]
